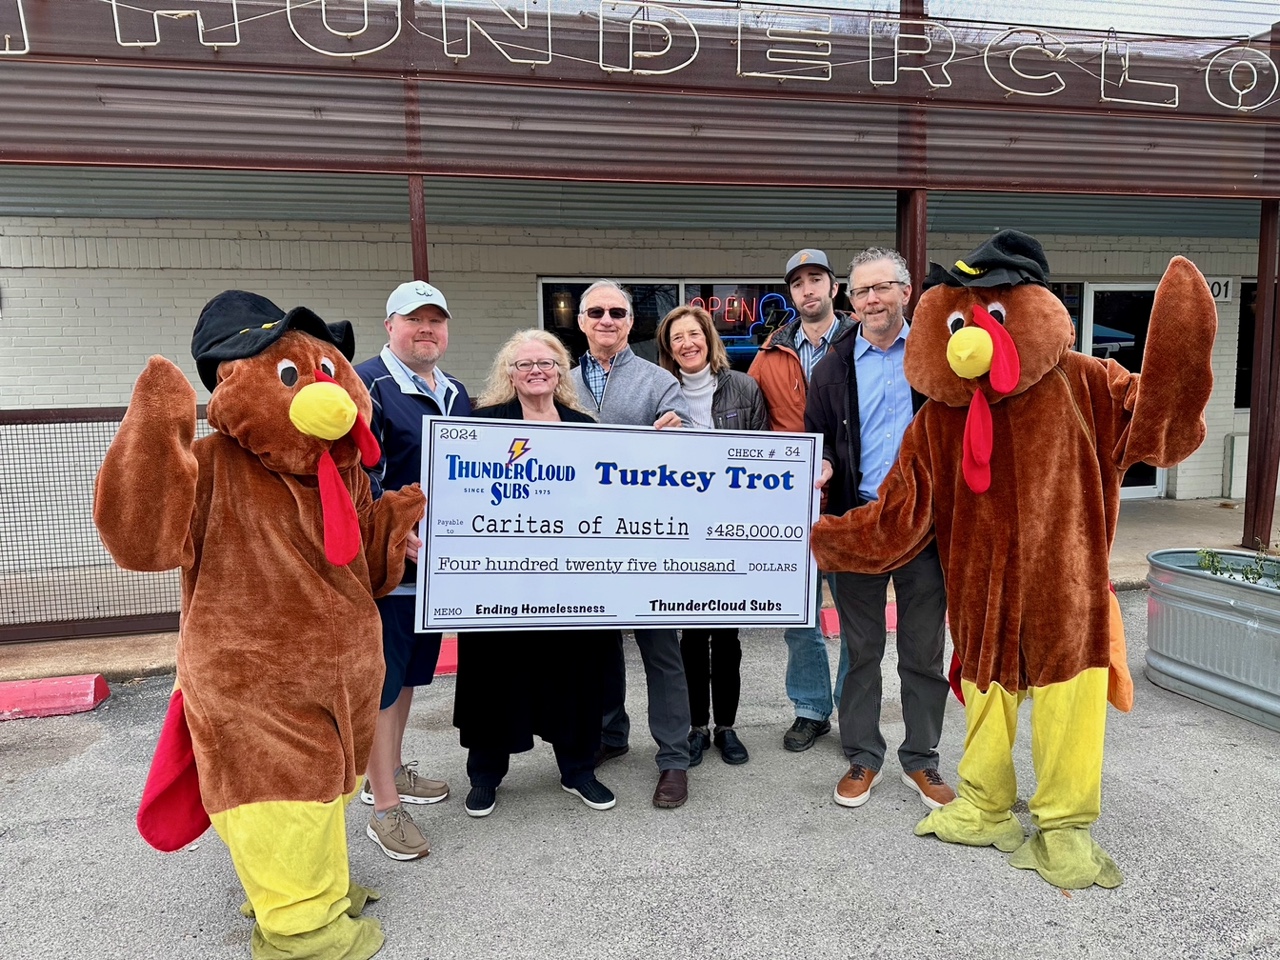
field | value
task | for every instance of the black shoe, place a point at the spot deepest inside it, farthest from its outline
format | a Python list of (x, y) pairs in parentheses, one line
[(481, 801), (699, 740), (605, 752), (594, 794), (731, 748), (803, 732)]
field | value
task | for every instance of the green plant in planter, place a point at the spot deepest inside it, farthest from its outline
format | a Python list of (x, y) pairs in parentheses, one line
[(1264, 569)]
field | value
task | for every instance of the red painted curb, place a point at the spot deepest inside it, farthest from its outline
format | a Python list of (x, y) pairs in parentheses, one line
[(829, 620), (52, 697), (447, 665)]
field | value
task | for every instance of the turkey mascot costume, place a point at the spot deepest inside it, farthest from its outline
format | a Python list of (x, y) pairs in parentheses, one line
[(282, 550), (1015, 463)]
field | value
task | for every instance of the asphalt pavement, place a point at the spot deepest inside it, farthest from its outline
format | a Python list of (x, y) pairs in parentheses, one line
[(759, 864)]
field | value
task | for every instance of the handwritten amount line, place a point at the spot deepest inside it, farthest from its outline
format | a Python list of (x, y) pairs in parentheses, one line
[(647, 573)]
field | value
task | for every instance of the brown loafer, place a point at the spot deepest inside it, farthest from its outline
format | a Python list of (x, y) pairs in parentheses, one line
[(673, 789)]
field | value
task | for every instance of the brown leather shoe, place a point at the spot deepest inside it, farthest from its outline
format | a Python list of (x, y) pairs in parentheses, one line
[(854, 788), (673, 789), (932, 788)]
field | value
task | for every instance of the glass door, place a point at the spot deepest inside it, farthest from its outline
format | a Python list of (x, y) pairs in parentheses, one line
[(1113, 326)]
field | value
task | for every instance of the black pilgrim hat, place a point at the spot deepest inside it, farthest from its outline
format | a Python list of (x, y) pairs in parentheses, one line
[(237, 324), (1006, 259)]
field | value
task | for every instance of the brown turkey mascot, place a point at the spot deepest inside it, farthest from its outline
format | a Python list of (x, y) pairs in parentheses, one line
[(1015, 463), (282, 550)]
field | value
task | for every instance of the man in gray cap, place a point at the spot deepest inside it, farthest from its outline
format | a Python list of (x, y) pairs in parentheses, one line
[(406, 385), (782, 368)]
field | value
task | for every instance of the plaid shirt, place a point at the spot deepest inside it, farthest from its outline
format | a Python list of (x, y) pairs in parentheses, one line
[(596, 376)]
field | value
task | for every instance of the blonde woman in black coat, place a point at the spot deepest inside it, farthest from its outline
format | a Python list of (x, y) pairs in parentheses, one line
[(514, 685), (723, 399)]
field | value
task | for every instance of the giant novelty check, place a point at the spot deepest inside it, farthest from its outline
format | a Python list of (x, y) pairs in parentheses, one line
[(540, 525)]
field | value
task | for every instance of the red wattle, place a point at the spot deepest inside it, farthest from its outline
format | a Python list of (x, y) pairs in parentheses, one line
[(1006, 366), (341, 525), (978, 437), (366, 442)]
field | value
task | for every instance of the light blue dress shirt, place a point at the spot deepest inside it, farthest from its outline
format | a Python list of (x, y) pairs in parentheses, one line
[(884, 407)]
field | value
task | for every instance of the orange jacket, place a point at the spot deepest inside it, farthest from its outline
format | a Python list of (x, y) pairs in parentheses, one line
[(781, 377)]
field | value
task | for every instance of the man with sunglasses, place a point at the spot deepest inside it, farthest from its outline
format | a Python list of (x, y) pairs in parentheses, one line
[(861, 403), (620, 387), (783, 367)]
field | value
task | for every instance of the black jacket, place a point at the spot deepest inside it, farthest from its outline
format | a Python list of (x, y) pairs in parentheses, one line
[(511, 410), (832, 410), (737, 403)]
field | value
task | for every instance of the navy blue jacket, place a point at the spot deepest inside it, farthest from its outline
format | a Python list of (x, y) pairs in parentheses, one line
[(397, 423)]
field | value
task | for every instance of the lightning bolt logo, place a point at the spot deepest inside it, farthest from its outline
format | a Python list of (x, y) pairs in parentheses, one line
[(518, 449)]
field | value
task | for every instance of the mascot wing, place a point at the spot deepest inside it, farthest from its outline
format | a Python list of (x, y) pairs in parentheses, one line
[(145, 493)]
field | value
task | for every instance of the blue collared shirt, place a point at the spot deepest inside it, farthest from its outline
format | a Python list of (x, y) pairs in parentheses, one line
[(444, 394), (808, 352), (884, 407)]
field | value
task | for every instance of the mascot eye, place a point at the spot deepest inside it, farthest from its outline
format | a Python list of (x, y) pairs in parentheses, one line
[(327, 366), (997, 312), (955, 322), (288, 372)]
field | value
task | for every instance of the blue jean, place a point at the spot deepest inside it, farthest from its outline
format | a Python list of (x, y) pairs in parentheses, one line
[(809, 667)]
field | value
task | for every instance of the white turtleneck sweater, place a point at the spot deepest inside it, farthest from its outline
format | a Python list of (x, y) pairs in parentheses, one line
[(698, 389)]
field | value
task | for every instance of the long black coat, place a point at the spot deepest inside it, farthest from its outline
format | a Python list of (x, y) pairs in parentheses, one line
[(514, 685)]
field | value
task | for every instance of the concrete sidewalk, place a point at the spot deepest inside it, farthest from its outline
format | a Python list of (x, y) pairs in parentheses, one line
[(1145, 525), (759, 864)]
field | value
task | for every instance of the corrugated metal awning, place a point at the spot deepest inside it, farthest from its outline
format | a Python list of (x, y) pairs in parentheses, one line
[(47, 191)]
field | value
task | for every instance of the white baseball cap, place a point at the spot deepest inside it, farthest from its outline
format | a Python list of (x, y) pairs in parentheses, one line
[(408, 297)]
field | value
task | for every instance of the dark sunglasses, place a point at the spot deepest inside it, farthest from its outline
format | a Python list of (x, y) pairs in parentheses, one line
[(617, 313)]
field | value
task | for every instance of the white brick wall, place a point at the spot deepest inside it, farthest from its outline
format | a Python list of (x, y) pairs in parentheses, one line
[(84, 302)]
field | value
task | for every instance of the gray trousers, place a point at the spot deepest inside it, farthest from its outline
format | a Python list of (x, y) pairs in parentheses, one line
[(668, 698), (922, 607)]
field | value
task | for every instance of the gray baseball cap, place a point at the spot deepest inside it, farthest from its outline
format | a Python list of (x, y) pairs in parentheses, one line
[(408, 297), (807, 258)]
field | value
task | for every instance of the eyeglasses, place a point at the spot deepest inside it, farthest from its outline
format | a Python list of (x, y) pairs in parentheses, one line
[(881, 289), (617, 313), (545, 365)]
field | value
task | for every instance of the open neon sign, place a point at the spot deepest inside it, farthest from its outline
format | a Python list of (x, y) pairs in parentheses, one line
[(753, 312)]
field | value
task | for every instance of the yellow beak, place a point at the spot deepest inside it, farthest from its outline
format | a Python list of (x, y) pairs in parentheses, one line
[(969, 352), (323, 410)]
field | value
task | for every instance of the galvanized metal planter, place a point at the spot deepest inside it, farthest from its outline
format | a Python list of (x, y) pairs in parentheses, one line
[(1214, 639)]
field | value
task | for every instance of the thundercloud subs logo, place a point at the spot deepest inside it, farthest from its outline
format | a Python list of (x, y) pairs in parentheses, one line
[(513, 480)]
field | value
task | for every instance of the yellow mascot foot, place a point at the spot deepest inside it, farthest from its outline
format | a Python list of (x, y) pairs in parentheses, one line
[(344, 939), (962, 822), (359, 895), (1068, 857)]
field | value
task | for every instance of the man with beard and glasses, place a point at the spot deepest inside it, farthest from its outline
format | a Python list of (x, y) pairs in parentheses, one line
[(861, 403)]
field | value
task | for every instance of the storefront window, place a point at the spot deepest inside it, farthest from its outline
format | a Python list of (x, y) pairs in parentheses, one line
[(1244, 344), (650, 303), (745, 312), (1069, 294)]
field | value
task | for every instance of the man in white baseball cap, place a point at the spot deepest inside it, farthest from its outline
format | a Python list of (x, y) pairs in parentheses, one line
[(408, 297), (405, 385)]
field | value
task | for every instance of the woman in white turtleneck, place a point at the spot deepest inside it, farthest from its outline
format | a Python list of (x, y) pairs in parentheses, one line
[(723, 399)]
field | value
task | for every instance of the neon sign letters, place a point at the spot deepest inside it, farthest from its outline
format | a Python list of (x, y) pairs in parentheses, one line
[(649, 39), (753, 312)]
